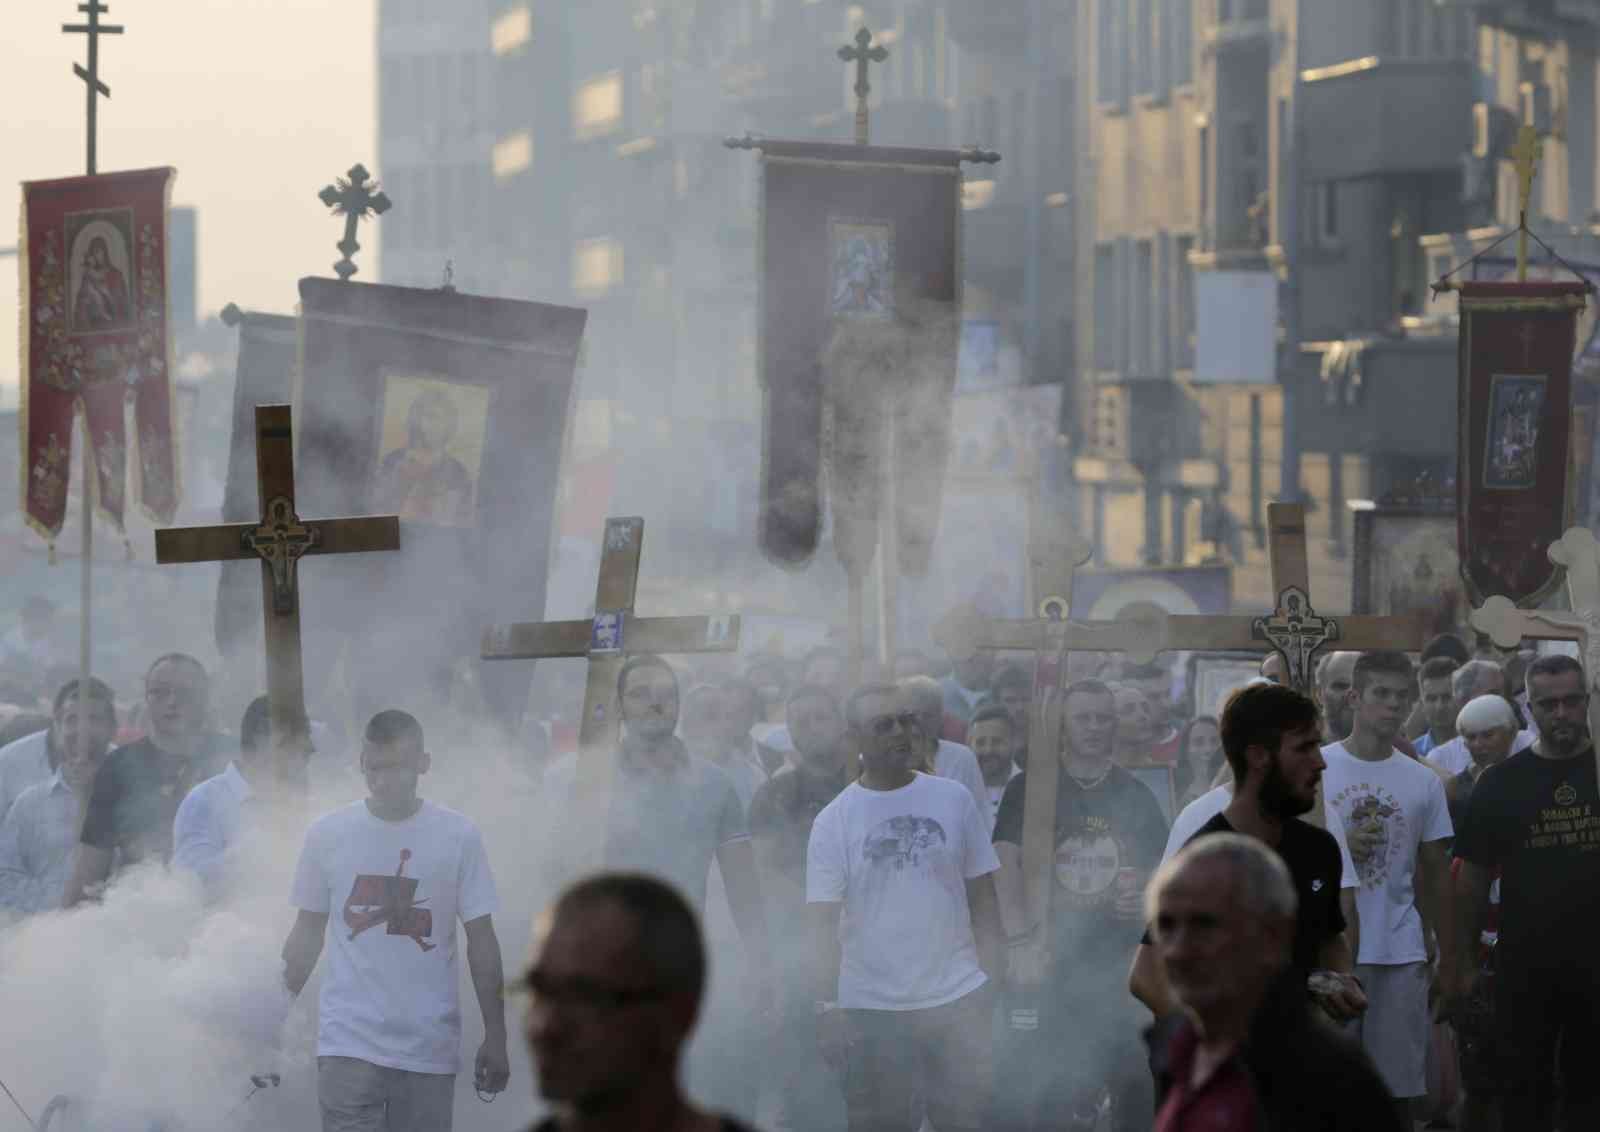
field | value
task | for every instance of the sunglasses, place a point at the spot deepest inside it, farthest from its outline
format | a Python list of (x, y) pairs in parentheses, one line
[(882, 726)]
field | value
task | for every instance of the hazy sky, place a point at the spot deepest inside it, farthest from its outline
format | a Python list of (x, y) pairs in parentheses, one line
[(257, 103)]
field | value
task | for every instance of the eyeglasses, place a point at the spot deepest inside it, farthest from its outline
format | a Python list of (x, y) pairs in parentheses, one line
[(580, 993), (882, 726), (1571, 703)]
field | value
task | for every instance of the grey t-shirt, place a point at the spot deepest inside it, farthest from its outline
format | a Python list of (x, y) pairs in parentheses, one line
[(666, 822)]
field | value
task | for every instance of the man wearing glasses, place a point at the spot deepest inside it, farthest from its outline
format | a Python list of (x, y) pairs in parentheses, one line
[(139, 787), (1397, 823), (1536, 819), (900, 872)]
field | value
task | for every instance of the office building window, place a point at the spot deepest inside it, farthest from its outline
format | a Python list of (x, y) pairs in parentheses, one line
[(1111, 62), (1178, 36), (1162, 333), (1183, 352), (511, 30), (512, 155), (1143, 308), (596, 267), (1144, 46), (597, 107), (1106, 308)]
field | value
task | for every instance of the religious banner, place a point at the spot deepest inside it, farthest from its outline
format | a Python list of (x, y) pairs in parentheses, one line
[(1514, 496), (860, 336), (450, 411), (94, 337), (264, 375)]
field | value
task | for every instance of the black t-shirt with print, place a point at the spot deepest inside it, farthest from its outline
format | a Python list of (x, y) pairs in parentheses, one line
[(1316, 868), (1538, 820), (1113, 825), (136, 796)]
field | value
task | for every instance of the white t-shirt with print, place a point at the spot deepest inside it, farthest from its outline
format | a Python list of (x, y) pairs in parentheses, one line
[(1403, 803), (392, 892), (899, 862)]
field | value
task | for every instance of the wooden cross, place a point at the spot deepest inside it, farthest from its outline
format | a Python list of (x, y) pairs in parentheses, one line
[(1525, 156), (607, 640), (94, 29), (279, 540), (1507, 626), (863, 55), (353, 196)]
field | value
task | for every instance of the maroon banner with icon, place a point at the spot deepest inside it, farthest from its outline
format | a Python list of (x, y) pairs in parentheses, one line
[(94, 335), (1514, 497)]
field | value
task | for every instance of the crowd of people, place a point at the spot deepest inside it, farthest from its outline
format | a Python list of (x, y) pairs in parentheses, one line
[(1341, 905)]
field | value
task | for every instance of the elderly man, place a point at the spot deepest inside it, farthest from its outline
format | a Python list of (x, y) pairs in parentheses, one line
[(1335, 676), (1473, 679), (1248, 1054), (922, 697), (613, 988), (1488, 728), (41, 827)]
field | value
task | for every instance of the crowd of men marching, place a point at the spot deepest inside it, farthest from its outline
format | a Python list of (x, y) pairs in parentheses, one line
[(1361, 899)]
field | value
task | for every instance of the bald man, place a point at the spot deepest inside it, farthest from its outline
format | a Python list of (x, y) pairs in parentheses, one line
[(1335, 677)]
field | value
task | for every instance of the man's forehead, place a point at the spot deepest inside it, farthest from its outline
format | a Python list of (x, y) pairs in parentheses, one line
[(1555, 683), (1197, 886), (593, 937)]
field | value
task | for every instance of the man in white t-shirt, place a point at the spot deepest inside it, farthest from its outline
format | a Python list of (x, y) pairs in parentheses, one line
[(955, 761), (1398, 827), (401, 871), (900, 871), (1473, 679)]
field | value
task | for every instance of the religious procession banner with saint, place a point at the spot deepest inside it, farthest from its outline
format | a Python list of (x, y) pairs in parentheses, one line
[(94, 333), (860, 250), (1515, 392)]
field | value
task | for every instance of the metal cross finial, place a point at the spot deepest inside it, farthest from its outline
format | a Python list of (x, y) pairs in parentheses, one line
[(353, 196), (94, 29), (863, 54)]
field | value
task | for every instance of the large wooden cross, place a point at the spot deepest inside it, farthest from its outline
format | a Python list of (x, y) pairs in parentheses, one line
[(97, 90), (353, 196), (607, 640), (1507, 626), (279, 540), (863, 54), (1294, 630)]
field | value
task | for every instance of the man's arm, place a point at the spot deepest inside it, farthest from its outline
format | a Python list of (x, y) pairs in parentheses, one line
[(737, 861), (1433, 901), (1147, 980), (1010, 895), (984, 906), (493, 1066), (1352, 922), (303, 948), (776, 886), (91, 865), (1471, 906), (196, 845)]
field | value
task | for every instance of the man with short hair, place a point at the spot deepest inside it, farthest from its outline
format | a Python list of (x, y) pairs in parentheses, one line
[(1247, 1053), (1473, 679), (991, 737), (615, 980), (1439, 707), (1536, 819), (1271, 736), (1398, 825), (1107, 839), (39, 831), (268, 769), (137, 792), (1012, 689), (967, 684), (389, 1017), (1155, 681), (33, 758), (921, 696), (899, 869), (1334, 674), (781, 817)]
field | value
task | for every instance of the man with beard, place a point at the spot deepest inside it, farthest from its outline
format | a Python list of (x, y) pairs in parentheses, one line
[(899, 871), (1533, 818), (781, 816), (1272, 741), (39, 831), (990, 735), (138, 790), (1398, 825), (1247, 1053), (1108, 837)]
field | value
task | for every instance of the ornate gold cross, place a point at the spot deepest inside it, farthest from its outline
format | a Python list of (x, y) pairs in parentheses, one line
[(863, 54)]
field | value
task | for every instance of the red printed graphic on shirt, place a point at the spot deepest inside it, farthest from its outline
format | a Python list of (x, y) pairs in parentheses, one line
[(389, 900)]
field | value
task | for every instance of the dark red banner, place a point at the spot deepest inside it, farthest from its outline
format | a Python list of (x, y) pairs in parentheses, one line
[(1515, 398), (94, 334)]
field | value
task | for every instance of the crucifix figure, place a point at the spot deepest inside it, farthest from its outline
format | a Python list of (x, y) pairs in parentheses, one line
[(94, 29), (1296, 632), (353, 196), (863, 55), (1507, 626), (279, 540), (607, 640)]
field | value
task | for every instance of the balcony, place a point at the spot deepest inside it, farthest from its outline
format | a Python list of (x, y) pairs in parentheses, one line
[(1374, 118)]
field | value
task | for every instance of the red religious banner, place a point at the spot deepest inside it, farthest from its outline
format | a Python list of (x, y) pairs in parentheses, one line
[(1514, 496), (94, 334)]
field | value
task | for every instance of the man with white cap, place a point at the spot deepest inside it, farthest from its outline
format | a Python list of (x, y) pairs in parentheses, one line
[(1488, 730)]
